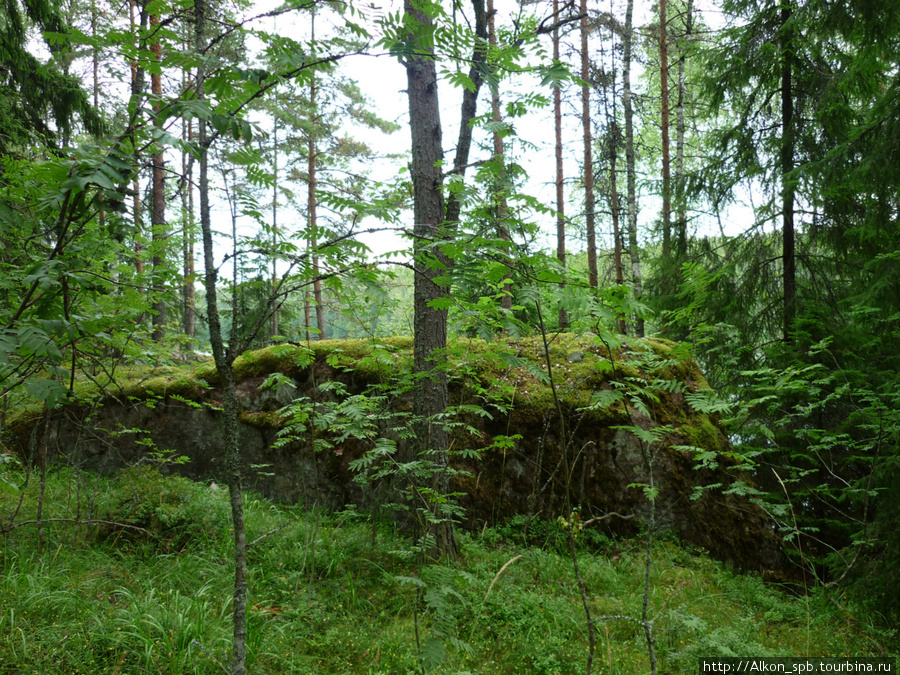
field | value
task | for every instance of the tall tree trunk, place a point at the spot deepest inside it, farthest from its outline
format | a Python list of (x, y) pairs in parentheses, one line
[(274, 223), (312, 201), (502, 183), (137, 85), (224, 359), (613, 132), (429, 322), (95, 71), (469, 106), (187, 241), (614, 208), (95, 60), (637, 280), (313, 240), (307, 312), (787, 165), (158, 211), (664, 122), (588, 152), (560, 197), (680, 197)]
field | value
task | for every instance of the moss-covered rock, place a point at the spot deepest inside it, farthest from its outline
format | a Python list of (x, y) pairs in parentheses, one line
[(610, 397)]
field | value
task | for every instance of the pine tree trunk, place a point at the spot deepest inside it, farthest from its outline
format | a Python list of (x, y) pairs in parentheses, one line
[(787, 165), (680, 197), (429, 322), (588, 152), (630, 175), (158, 210), (560, 196), (224, 359)]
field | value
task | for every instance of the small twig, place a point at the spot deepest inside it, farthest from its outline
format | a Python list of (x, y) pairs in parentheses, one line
[(212, 658), (267, 534), (10, 528), (497, 576), (623, 617), (591, 521)]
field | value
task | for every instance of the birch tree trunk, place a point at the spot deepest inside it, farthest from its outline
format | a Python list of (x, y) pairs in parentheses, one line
[(664, 122), (637, 281)]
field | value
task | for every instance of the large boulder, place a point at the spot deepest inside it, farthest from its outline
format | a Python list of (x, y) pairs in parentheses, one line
[(628, 412)]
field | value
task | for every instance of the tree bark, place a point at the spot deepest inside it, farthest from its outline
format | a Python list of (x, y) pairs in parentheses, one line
[(664, 121), (469, 106), (614, 208), (429, 322), (588, 154), (560, 196), (787, 165), (637, 281), (312, 203), (137, 84), (680, 197), (158, 211), (274, 283), (501, 184), (224, 359), (187, 237), (313, 240), (613, 133)]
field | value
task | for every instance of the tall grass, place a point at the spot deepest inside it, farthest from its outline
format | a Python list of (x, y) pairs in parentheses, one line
[(328, 598)]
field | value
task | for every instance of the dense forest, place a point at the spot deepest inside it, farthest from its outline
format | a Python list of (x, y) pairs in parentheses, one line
[(190, 182)]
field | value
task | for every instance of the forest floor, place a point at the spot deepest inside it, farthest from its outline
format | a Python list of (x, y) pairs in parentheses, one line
[(337, 593)]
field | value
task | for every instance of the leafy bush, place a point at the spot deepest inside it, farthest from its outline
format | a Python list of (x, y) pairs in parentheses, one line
[(170, 509)]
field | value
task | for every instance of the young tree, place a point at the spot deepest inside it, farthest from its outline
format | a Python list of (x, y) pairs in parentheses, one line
[(560, 185), (38, 101), (312, 240), (588, 150)]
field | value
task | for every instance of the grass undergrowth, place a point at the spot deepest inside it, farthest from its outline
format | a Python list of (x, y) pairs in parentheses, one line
[(333, 593)]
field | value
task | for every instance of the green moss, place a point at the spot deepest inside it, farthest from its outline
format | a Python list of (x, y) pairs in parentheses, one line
[(181, 384), (700, 431), (285, 358), (480, 370), (261, 420)]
